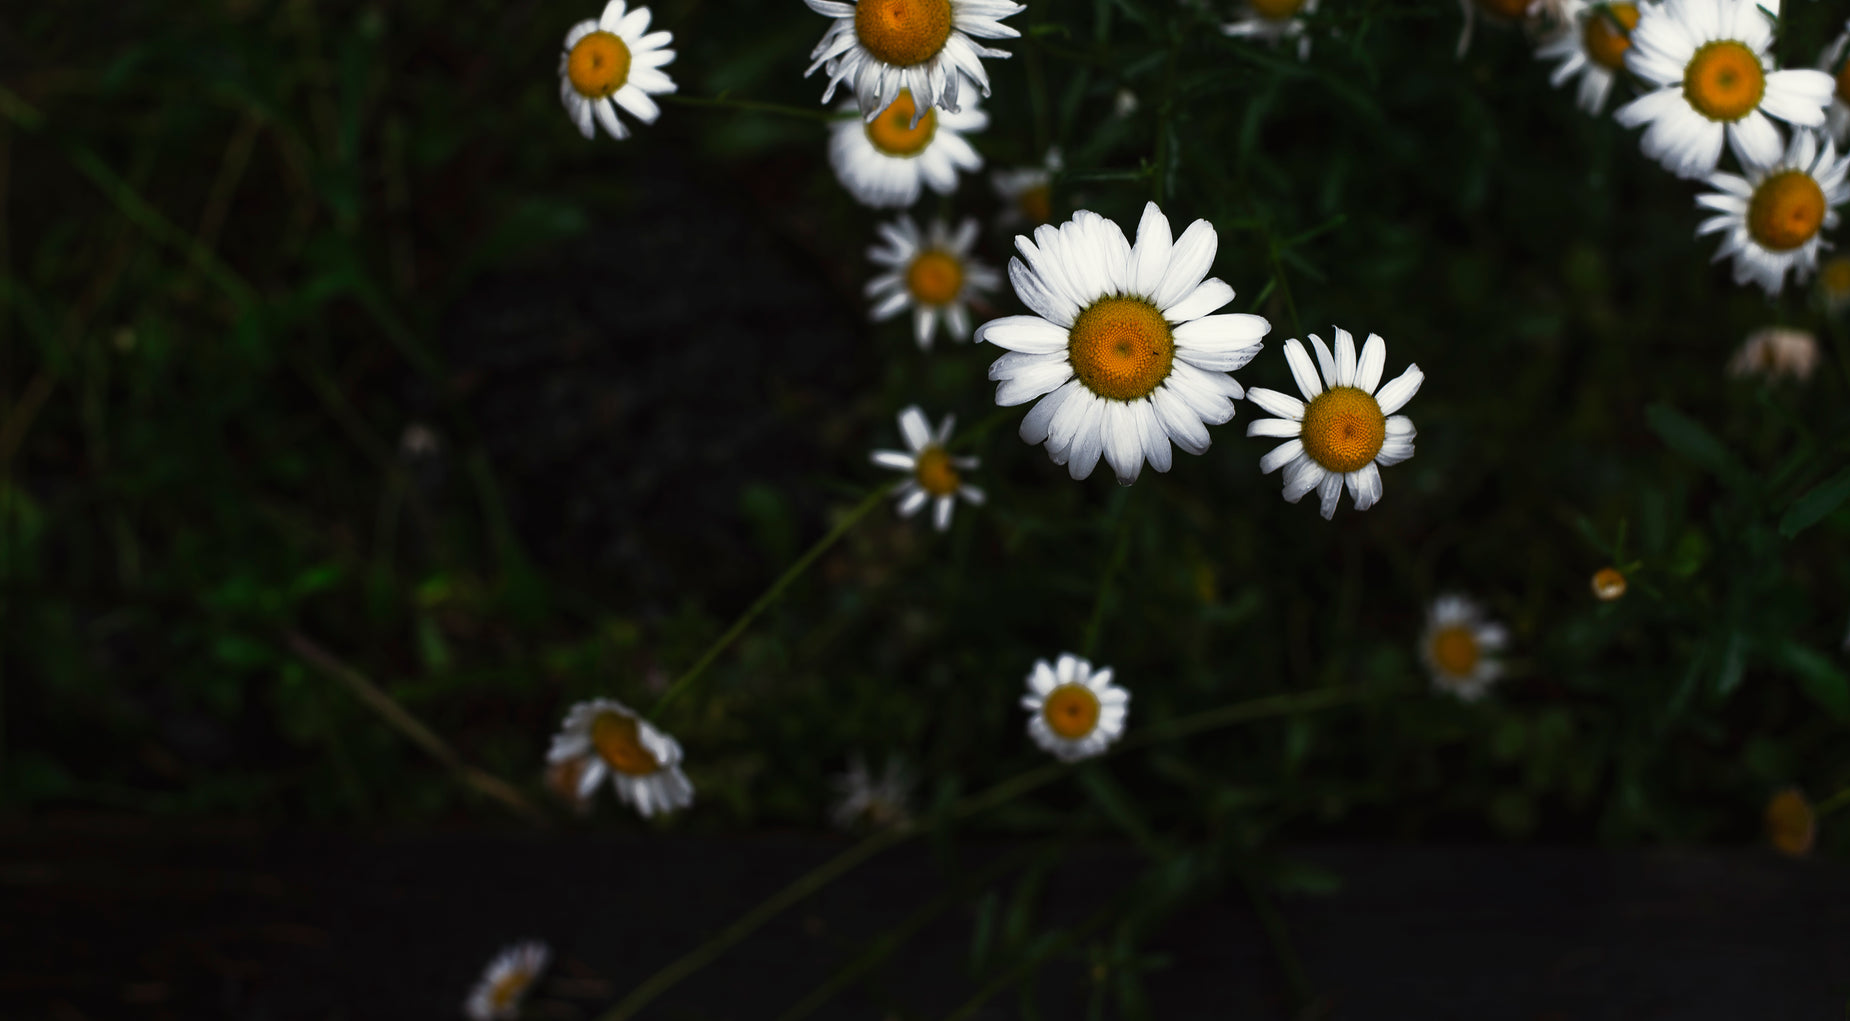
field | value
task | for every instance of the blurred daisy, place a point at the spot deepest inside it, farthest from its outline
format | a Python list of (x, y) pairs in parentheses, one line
[(1774, 352), (497, 996), (934, 471), (1834, 284), (609, 63), (933, 275), (1344, 431), (1771, 219), (1272, 20), (1027, 192), (1714, 77), (882, 162), (1076, 713), (1460, 647), (861, 800), (1837, 118), (1591, 44), (1121, 342), (1791, 824), (882, 46), (643, 763), (1608, 584)]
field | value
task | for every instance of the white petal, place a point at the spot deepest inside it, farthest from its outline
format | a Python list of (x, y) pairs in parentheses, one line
[(1302, 371), (1395, 395), (1030, 334), (1374, 360)]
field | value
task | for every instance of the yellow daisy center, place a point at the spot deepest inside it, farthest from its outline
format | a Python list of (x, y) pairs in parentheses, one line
[(1071, 711), (618, 739), (1121, 348), (903, 32), (1608, 583), (1786, 210), (1834, 276), (508, 987), (599, 65), (1455, 650), (1790, 823), (1275, 10), (935, 277), (1605, 42), (1343, 428), (934, 472), (893, 133), (1036, 203), (1724, 81)]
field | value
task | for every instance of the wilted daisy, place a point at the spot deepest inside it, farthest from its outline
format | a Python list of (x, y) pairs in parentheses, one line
[(1834, 284), (934, 471), (1460, 647), (1591, 44), (1344, 431), (1774, 352), (1121, 342), (1272, 20), (1771, 219), (1027, 192), (1075, 712), (882, 46), (1713, 75), (882, 162), (933, 275), (862, 800), (643, 763), (565, 779), (497, 996), (610, 61), (1837, 118), (1791, 824)]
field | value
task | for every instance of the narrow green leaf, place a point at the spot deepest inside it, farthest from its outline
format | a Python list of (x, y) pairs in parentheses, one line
[(1690, 440), (1817, 502), (1819, 678)]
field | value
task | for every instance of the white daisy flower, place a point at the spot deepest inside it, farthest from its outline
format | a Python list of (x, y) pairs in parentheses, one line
[(1121, 342), (1774, 352), (643, 763), (1075, 713), (1027, 192), (882, 46), (1771, 219), (609, 63), (863, 800), (932, 274), (1714, 77), (1272, 20), (1346, 430), (506, 981), (1460, 647), (1591, 44), (1834, 284), (934, 471), (1837, 118), (883, 162)]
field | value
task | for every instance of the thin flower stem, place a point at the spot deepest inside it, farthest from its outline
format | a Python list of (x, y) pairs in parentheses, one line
[(1284, 285), (725, 102), (1832, 803), (1118, 550), (1274, 925), (770, 595)]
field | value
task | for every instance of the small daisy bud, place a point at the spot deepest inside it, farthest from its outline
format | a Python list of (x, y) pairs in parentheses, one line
[(1608, 583), (1790, 822)]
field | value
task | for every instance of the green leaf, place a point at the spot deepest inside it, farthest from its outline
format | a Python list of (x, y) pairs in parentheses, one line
[(1819, 678), (1689, 439), (1817, 502)]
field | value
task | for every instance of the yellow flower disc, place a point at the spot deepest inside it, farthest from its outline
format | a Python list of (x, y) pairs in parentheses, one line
[(618, 740), (1343, 428), (1275, 10), (934, 472), (1786, 211), (1605, 43), (1036, 204), (903, 32), (599, 65), (935, 277), (1071, 711), (893, 133), (1790, 822), (508, 988), (1121, 348), (1724, 81), (1455, 650), (1608, 583)]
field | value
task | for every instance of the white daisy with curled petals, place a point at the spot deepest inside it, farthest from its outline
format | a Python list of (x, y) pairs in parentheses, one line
[(611, 62), (885, 161), (882, 46), (1272, 20), (1771, 220), (932, 274), (1714, 78), (1074, 711), (506, 981), (1837, 118), (1460, 647), (934, 471), (1121, 348), (611, 740), (1592, 44), (1343, 428)]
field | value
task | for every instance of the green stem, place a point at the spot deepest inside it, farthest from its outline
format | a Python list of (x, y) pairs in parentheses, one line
[(1274, 925), (1832, 803), (1118, 551), (724, 102), (1284, 285)]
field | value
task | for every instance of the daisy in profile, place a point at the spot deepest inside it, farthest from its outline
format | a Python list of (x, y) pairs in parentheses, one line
[(1339, 434), (1774, 352), (1027, 192), (884, 161), (643, 763), (1591, 44), (1834, 284), (609, 63), (1714, 78), (1121, 347), (1791, 823), (1074, 711), (1272, 20), (931, 274), (1837, 118), (1460, 647), (497, 996), (882, 46), (862, 800), (934, 471), (1770, 220)]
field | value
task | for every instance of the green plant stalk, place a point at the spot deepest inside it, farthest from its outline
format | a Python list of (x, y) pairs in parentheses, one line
[(1832, 803), (1288, 962), (1118, 551)]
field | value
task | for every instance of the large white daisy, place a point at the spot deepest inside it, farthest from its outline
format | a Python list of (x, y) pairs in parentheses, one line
[(1837, 118), (884, 161), (1714, 77), (932, 274), (935, 473), (1074, 711), (1592, 44), (1771, 219), (609, 63), (644, 764), (1460, 647), (1345, 430), (882, 46), (506, 981), (1121, 342), (1272, 20)]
